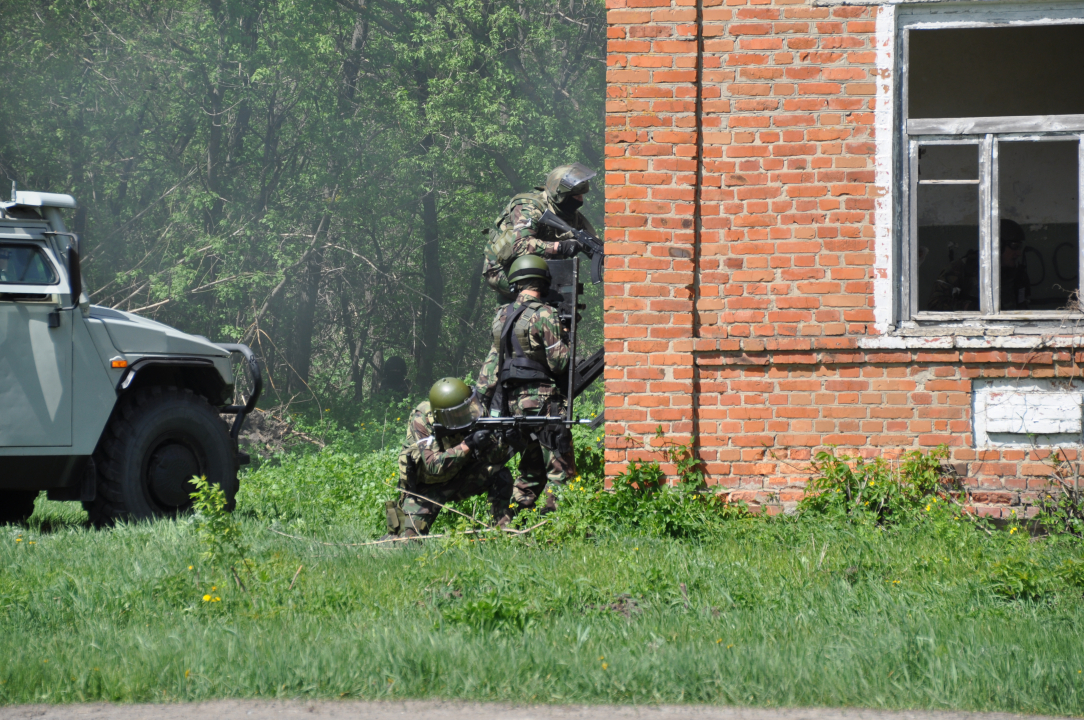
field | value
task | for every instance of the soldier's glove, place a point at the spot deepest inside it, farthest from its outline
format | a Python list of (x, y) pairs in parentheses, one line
[(479, 440), (567, 248)]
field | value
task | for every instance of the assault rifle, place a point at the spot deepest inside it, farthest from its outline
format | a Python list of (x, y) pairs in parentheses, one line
[(589, 244), (511, 426)]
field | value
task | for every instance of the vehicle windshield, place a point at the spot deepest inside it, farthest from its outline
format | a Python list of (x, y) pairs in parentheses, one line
[(25, 265)]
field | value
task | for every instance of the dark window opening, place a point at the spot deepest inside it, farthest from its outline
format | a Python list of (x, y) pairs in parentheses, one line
[(996, 71), (948, 228), (1040, 232)]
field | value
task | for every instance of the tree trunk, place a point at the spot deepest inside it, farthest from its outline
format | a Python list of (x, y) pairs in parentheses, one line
[(301, 357), (432, 305), (466, 335)]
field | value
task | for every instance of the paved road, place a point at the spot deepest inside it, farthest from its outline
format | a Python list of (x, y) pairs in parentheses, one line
[(297, 710)]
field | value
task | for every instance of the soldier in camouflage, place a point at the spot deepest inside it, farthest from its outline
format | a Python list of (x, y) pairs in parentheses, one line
[(517, 231), (521, 376), (436, 469)]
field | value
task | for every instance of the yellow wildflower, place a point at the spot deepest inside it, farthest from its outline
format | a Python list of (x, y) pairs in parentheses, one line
[(206, 598)]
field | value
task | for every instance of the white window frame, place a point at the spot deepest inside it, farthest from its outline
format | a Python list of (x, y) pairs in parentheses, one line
[(986, 132)]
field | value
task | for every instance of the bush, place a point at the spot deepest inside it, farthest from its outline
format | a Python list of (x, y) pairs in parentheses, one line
[(641, 499), (878, 489)]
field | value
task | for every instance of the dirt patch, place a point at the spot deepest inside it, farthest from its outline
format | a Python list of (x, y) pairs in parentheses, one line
[(330, 710)]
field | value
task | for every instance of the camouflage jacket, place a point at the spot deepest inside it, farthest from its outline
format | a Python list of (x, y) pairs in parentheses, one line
[(518, 233), (540, 335), (434, 460)]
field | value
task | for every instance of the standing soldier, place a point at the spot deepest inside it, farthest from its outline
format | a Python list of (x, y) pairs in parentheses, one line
[(517, 231), (453, 465), (522, 376)]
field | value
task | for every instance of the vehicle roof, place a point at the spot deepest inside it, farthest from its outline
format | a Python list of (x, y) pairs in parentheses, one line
[(40, 199)]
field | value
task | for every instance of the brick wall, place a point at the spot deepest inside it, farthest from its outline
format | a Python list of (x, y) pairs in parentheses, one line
[(742, 224)]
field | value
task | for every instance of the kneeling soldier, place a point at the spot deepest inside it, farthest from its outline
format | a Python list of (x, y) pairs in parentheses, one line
[(522, 375), (453, 465)]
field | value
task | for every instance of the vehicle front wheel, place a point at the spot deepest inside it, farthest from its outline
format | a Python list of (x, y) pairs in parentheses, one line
[(16, 506), (157, 441)]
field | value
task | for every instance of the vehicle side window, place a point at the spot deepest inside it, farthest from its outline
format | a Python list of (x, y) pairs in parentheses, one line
[(25, 265)]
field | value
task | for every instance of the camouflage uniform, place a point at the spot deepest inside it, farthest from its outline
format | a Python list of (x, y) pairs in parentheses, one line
[(547, 456), (441, 472), (519, 233)]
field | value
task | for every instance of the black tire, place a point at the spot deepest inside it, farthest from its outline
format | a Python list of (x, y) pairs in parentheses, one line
[(157, 440), (16, 506)]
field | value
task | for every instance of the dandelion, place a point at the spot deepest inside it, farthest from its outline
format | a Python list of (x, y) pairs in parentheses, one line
[(872, 483), (189, 567), (32, 542), (186, 673), (18, 539), (601, 657), (206, 598), (605, 666), (718, 640), (729, 646), (927, 508), (1011, 531)]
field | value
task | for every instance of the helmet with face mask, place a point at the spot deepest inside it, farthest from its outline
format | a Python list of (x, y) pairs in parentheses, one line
[(455, 406), (564, 183)]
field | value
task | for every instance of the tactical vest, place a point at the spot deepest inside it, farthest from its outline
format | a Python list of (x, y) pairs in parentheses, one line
[(514, 367)]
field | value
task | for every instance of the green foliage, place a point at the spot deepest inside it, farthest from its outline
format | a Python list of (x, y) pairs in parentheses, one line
[(876, 489), (640, 500), (1022, 578), (309, 177), (1061, 505), (311, 490), (492, 613), (780, 612), (219, 532)]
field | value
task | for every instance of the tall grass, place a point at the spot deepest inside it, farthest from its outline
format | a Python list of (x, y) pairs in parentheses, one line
[(645, 594), (787, 612)]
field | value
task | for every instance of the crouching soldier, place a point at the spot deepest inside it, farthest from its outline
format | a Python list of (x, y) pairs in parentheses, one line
[(523, 375), (436, 468)]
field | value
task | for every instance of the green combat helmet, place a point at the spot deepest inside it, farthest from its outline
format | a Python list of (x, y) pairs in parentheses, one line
[(528, 267), (567, 180), (455, 406)]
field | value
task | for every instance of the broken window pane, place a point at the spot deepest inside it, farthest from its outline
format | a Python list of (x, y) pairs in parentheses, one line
[(996, 71), (1039, 224), (948, 228)]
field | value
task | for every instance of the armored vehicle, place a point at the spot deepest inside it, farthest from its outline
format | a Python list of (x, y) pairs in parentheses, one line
[(99, 405)]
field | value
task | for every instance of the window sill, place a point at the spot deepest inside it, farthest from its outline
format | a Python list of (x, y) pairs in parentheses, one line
[(1066, 332)]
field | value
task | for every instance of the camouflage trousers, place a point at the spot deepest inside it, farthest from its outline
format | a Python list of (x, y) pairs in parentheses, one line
[(417, 509), (545, 458)]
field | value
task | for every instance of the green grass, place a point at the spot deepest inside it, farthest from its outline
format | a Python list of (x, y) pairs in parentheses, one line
[(785, 612)]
